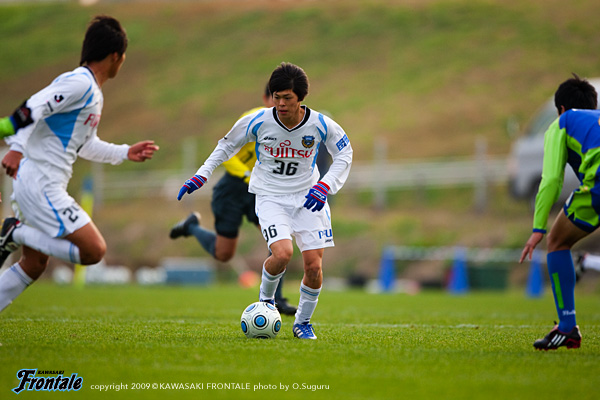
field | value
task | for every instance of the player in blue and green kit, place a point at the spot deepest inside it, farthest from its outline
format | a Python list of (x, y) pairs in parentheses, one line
[(573, 138)]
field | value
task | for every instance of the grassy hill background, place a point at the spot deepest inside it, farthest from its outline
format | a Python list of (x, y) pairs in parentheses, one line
[(428, 77)]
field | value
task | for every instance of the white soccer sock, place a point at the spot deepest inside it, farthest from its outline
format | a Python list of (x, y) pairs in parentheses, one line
[(309, 298), (38, 240), (268, 285), (12, 283), (591, 261)]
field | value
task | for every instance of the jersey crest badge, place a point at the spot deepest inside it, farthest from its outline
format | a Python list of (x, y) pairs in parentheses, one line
[(58, 98), (308, 141)]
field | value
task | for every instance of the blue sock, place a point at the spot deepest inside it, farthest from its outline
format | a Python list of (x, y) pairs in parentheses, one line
[(206, 238), (562, 277)]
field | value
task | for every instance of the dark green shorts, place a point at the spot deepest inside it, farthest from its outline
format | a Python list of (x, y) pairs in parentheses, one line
[(230, 203)]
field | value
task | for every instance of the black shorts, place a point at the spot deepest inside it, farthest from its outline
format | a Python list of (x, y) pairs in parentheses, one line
[(231, 201)]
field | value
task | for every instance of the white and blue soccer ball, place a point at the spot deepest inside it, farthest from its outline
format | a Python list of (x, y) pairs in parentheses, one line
[(261, 320)]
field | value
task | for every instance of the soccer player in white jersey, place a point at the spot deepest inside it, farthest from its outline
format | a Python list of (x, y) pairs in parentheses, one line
[(53, 127), (290, 199)]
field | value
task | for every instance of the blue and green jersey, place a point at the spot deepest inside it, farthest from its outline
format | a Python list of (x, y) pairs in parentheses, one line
[(574, 139)]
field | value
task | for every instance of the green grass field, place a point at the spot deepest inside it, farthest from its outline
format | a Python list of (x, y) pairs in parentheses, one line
[(430, 77), (428, 346)]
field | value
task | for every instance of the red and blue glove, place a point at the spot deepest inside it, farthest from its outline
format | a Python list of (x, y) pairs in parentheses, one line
[(192, 184), (317, 196)]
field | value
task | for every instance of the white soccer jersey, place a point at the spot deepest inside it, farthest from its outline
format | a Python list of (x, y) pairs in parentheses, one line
[(286, 158), (66, 115)]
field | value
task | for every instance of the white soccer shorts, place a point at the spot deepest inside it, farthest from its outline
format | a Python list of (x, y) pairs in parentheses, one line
[(47, 208), (284, 216)]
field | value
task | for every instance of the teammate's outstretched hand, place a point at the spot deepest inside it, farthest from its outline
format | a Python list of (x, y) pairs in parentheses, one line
[(317, 196), (194, 183), (142, 151)]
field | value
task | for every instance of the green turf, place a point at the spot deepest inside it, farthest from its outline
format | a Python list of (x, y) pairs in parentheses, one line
[(429, 346)]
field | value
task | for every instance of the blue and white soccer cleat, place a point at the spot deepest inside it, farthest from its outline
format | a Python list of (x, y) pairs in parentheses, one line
[(304, 331)]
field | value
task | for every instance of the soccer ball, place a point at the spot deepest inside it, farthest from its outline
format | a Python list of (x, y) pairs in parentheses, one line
[(261, 320)]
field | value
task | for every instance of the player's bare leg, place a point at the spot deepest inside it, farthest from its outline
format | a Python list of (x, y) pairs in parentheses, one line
[(33, 262), (274, 268), (313, 272), (281, 254), (225, 248), (84, 246), (90, 242), (564, 234)]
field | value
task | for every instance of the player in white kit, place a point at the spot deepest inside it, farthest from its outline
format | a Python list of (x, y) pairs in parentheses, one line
[(290, 199), (54, 127)]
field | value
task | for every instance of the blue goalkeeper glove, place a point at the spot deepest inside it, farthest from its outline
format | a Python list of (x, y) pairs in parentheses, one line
[(317, 196), (194, 183)]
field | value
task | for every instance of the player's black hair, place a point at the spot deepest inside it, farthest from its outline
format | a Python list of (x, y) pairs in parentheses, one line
[(104, 36), (575, 93), (289, 76)]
